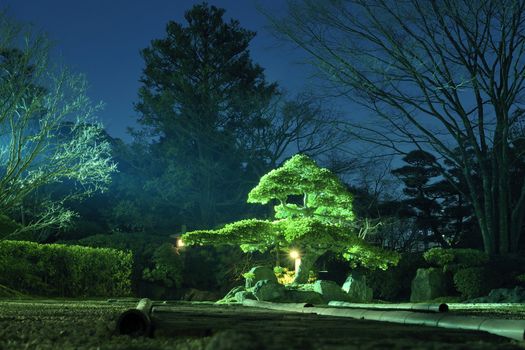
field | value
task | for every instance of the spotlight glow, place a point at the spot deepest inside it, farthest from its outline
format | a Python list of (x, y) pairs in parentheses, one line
[(294, 254)]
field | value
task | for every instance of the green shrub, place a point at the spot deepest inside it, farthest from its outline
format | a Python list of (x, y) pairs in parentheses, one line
[(142, 246), (473, 282), (439, 256), (521, 279), (455, 259), (394, 284), (60, 270), (7, 226), (167, 266)]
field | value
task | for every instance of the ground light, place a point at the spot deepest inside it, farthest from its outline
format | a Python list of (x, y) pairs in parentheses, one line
[(294, 254)]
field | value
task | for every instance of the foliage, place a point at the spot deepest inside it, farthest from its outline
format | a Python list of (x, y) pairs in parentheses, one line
[(201, 97), (439, 210), (7, 226), (167, 266), (395, 284), (367, 255), (320, 221), (142, 247), (61, 270), (433, 88), (473, 282), (521, 278), (286, 276), (248, 275), (324, 196), (49, 134), (455, 258)]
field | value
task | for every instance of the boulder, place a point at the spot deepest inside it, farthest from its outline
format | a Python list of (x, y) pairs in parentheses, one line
[(200, 295), (303, 296), (502, 295), (260, 273), (330, 290), (266, 290), (357, 289), (243, 295), (429, 284)]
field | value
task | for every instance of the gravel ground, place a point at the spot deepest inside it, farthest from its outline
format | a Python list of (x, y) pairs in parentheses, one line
[(56, 324)]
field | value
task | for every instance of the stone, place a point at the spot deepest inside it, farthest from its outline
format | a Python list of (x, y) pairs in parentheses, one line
[(303, 296), (357, 289), (243, 295), (429, 284), (200, 295), (330, 291), (502, 295), (266, 290), (260, 273)]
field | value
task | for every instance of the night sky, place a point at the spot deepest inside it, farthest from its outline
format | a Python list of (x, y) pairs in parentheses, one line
[(102, 39)]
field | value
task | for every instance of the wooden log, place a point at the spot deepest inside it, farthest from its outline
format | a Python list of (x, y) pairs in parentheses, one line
[(137, 322)]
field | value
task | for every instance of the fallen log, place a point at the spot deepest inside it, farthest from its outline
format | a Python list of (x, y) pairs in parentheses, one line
[(513, 329), (401, 306), (137, 322)]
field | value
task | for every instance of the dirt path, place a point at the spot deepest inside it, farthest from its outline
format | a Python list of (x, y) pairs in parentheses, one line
[(91, 325)]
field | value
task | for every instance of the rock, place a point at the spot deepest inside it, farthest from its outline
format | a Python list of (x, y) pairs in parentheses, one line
[(260, 273), (243, 295), (502, 295), (357, 289), (330, 290), (200, 295), (266, 290), (429, 284), (303, 296)]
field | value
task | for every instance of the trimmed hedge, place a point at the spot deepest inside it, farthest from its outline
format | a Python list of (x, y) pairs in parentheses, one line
[(62, 270), (454, 259), (142, 246), (473, 282)]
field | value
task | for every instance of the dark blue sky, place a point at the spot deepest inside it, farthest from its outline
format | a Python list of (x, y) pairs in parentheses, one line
[(102, 39)]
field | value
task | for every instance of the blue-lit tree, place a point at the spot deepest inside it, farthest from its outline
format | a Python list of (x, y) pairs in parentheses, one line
[(47, 132)]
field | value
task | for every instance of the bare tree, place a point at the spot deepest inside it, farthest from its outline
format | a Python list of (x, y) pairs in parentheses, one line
[(440, 75), (47, 131), (299, 125)]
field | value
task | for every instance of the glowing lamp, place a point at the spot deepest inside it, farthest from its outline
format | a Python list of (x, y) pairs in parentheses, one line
[(180, 243), (294, 254)]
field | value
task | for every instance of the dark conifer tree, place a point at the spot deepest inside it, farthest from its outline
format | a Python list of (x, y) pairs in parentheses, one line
[(200, 91)]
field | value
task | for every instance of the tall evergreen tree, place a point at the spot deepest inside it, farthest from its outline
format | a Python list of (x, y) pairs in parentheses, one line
[(440, 210), (200, 91)]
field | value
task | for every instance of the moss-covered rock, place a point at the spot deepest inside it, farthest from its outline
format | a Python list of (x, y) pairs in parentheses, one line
[(429, 284), (330, 290), (357, 289), (259, 273), (266, 290)]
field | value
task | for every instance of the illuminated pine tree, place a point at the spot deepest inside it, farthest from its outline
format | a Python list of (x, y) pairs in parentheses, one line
[(313, 215)]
